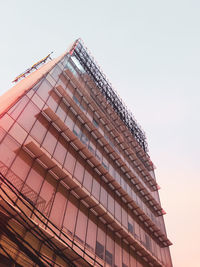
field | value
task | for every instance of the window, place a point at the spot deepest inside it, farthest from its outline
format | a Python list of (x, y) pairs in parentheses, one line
[(84, 139), (87, 183), (18, 133), (58, 208), (18, 107), (79, 171), (77, 131), (95, 189), (47, 192), (60, 151), (124, 218), (125, 260), (123, 184), (22, 165), (82, 107), (111, 204), (71, 214), (118, 211), (36, 177), (8, 150), (103, 197), (98, 155), (39, 129), (117, 177), (78, 65), (95, 123), (109, 258), (61, 111), (71, 68), (76, 100), (148, 242), (81, 224), (53, 100), (55, 73), (70, 160), (91, 147), (28, 116), (44, 90), (99, 250), (6, 121), (105, 163), (109, 247), (50, 140), (69, 121), (91, 231), (130, 228), (118, 252)]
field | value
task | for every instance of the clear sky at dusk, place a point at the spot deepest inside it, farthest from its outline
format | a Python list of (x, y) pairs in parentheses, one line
[(150, 52)]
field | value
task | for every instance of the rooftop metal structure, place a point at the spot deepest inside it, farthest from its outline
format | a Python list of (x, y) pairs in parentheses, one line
[(32, 68), (88, 63)]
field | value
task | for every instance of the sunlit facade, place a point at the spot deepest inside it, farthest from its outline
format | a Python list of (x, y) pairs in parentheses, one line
[(77, 185)]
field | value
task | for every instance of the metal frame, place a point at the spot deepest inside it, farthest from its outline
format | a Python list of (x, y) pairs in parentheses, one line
[(32, 68), (81, 53)]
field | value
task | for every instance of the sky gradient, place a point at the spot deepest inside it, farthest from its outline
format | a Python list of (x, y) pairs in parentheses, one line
[(149, 50)]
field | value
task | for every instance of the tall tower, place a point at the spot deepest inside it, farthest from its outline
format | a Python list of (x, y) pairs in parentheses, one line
[(77, 186)]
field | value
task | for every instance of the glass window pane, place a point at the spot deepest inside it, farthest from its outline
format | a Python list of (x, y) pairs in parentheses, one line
[(2, 133), (91, 233), (61, 111), (69, 122), (81, 224), (95, 189), (70, 215), (39, 129), (6, 121), (28, 116), (124, 218), (60, 151), (18, 133), (18, 107), (87, 182), (53, 100), (133, 262), (118, 255), (47, 192), (8, 150), (22, 165), (35, 177), (111, 204), (77, 131), (55, 72), (99, 250), (58, 208), (44, 90), (79, 171), (109, 249), (125, 256), (50, 140), (70, 160), (118, 211), (103, 197)]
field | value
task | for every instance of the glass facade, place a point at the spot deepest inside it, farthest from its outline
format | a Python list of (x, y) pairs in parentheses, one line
[(75, 177)]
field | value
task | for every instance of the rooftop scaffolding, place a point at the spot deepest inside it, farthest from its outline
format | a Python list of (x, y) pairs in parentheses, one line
[(82, 54)]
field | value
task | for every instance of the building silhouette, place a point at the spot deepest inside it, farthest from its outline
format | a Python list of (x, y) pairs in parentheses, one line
[(77, 184)]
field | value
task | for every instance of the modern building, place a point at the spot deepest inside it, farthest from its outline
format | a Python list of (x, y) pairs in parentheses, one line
[(77, 184)]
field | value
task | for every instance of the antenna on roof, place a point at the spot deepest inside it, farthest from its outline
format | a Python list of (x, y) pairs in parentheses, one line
[(32, 68)]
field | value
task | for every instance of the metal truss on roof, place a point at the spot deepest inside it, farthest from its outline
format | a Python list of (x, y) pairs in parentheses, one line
[(82, 54)]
